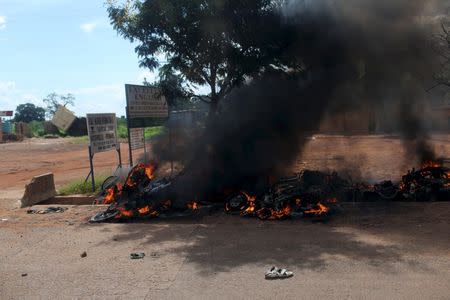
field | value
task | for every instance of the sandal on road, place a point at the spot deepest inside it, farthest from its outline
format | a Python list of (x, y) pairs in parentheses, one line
[(278, 273), (272, 273)]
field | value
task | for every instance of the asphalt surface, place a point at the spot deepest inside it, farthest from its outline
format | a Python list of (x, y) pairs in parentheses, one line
[(368, 251)]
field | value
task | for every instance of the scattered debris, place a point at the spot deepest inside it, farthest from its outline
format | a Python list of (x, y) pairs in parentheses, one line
[(432, 182), (84, 254), (278, 273), (137, 255), (48, 210), (308, 194), (104, 216)]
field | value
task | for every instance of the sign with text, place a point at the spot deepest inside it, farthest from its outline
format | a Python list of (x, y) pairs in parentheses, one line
[(146, 106), (136, 138), (6, 113), (102, 132), (63, 118)]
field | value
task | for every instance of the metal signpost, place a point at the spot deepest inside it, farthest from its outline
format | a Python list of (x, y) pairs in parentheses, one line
[(102, 132), (146, 106)]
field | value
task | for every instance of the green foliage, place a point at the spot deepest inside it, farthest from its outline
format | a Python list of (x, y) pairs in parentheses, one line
[(150, 132), (122, 131), (29, 112), (37, 128), (78, 186), (214, 42), (171, 85), (53, 101)]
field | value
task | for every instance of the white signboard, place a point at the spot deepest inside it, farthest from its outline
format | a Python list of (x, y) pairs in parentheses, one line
[(145, 105), (136, 138), (102, 131)]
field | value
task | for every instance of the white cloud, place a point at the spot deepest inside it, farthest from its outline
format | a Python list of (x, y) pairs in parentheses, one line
[(11, 96), (2, 22), (6, 87), (88, 27)]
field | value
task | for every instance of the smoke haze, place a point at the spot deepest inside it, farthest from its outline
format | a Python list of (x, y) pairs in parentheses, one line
[(354, 54)]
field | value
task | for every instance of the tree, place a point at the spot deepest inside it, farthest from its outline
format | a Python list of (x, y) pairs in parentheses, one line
[(171, 86), (53, 101), (443, 77), (215, 43), (29, 112)]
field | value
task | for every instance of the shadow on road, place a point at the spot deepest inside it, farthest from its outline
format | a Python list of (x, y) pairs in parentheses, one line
[(375, 236)]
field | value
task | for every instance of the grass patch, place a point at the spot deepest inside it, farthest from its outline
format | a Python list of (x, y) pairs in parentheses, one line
[(78, 186), (122, 131), (79, 139), (151, 132)]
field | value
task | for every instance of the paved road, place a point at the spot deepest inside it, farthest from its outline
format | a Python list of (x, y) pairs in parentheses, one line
[(396, 251)]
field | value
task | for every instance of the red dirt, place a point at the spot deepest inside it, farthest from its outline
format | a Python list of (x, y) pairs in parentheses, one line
[(67, 159), (376, 158)]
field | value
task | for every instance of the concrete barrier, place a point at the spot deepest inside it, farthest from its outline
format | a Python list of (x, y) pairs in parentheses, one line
[(40, 188)]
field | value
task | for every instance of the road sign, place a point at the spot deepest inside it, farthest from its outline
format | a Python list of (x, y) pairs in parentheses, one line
[(102, 132), (63, 118), (137, 138), (146, 106), (6, 113)]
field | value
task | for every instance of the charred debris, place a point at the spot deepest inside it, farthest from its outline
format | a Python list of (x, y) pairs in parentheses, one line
[(308, 194)]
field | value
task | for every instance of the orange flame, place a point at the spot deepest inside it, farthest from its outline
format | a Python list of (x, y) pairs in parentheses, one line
[(431, 164), (320, 210), (148, 210), (109, 198), (150, 171), (123, 213), (193, 205), (144, 210), (251, 203), (272, 214)]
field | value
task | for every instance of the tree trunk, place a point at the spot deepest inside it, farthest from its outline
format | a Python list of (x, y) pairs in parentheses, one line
[(213, 108), (214, 97)]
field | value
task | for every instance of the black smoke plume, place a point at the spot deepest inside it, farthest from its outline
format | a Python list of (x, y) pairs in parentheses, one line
[(352, 54)]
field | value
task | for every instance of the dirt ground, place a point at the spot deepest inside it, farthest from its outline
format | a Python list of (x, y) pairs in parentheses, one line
[(368, 251), (371, 158), (67, 159)]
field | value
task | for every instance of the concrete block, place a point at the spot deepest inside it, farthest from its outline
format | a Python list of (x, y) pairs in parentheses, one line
[(69, 200), (40, 188)]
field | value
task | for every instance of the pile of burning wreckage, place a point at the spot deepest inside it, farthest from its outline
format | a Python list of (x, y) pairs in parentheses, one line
[(309, 194)]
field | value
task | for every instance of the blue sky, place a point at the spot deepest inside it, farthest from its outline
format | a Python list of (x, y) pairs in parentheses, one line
[(64, 46)]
